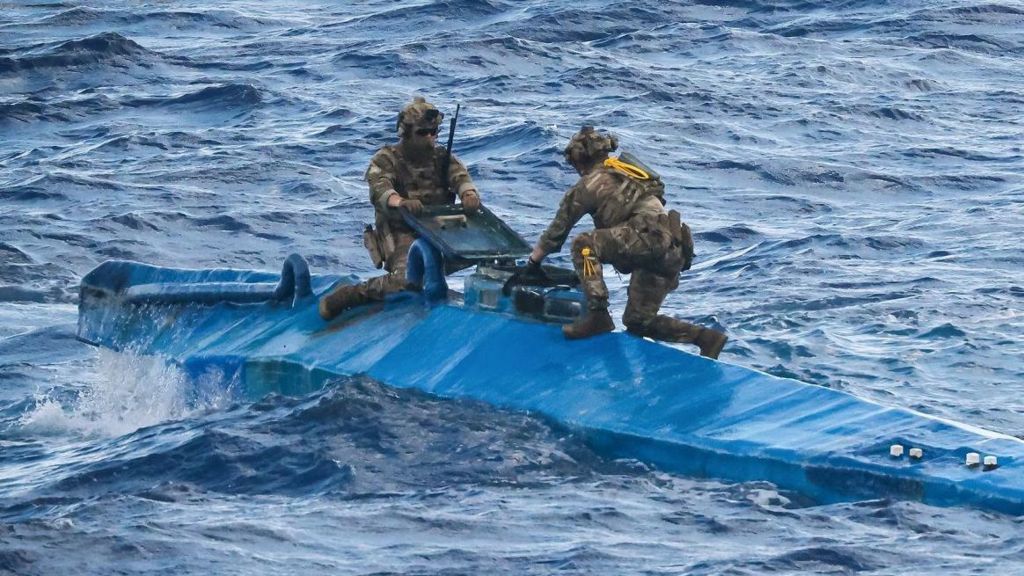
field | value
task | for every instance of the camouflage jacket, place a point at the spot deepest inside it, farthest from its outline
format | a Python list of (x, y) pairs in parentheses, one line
[(611, 198), (391, 173)]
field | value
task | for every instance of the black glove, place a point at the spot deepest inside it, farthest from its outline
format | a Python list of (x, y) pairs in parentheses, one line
[(415, 207), (533, 269)]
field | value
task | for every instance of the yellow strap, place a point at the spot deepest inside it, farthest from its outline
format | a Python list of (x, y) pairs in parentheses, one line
[(627, 169), (589, 268)]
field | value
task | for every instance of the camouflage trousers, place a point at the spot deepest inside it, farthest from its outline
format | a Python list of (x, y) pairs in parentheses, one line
[(394, 281), (648, 251)]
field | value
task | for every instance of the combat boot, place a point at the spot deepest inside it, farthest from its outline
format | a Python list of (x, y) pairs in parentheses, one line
[(594, 323), (343, 298), (711, 342)]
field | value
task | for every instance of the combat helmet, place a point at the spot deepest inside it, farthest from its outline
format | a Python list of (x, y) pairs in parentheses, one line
[(417, 115), (588, 146)]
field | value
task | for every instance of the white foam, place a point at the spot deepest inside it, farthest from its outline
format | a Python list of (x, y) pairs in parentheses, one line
[(126, 392)]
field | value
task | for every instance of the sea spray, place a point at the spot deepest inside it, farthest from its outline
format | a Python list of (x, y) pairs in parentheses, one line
[(125, 392)]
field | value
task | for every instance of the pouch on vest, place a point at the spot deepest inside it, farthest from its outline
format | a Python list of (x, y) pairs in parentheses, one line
[(372, 243), (682, 237)]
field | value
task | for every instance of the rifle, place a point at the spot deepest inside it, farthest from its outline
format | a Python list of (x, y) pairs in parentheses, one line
[(448, 155)]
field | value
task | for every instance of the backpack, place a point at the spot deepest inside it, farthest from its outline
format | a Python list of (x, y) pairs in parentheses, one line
[(640, 173)]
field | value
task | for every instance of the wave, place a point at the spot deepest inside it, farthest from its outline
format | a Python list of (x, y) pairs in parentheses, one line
[(230, 94), (373, 62), (82, 16), (229, 19), (944, 331), (515, 138), (35, 274), (557, 26), (954, 181), (50, 345), (821, 559), (232, 224), (107, 48), (888, 113), (279, 217), (355, 439), (11, 254), (786, 175), (55, 186), (33, 190), (215, 97), (949, 151), (57, 110), (889, 243), (16, 561), (990, 14), (21, 111), (736, 232), (767, 254), (20, 294), (979, 43), (427, 12), (133, 220), (987, 9), (807, 27)]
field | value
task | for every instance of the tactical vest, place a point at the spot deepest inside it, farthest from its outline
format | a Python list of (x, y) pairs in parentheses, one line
[(646, 183), (423, 182)]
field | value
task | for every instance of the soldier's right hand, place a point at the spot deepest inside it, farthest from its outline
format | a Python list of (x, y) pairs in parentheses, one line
[(533, 267), (415, 207), (533, 271)]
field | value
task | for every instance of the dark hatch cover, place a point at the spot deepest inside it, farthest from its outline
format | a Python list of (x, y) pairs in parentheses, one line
[(467, 238)]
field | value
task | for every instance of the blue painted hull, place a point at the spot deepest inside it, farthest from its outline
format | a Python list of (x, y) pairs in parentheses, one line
[(629, 396)]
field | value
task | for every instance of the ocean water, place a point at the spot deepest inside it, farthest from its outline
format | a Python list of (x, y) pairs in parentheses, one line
[(853, 172)]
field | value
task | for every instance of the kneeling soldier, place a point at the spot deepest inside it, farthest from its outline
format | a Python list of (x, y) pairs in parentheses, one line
[(634, 234)]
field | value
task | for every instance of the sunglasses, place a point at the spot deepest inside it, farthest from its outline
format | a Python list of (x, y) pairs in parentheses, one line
[(426, 131)]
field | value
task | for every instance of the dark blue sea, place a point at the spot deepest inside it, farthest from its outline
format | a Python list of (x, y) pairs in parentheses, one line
[(853, 172)]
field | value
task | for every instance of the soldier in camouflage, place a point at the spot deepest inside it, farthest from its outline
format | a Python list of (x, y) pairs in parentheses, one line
[(410, 175), (635, 235)]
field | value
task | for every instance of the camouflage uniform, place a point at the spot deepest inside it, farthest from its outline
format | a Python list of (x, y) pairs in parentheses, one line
[(413, 170), (634, 234), (391, 173)]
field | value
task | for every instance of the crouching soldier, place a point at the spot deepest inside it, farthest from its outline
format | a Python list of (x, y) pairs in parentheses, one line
[(634, 234), (410, 175)]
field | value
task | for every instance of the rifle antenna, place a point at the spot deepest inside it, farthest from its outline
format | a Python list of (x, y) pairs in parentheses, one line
[(448, 153)]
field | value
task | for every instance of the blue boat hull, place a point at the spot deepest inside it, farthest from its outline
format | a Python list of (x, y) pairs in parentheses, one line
[(630, 397)]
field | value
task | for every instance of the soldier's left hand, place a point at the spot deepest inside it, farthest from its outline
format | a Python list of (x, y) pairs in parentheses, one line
[(470, 202)]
